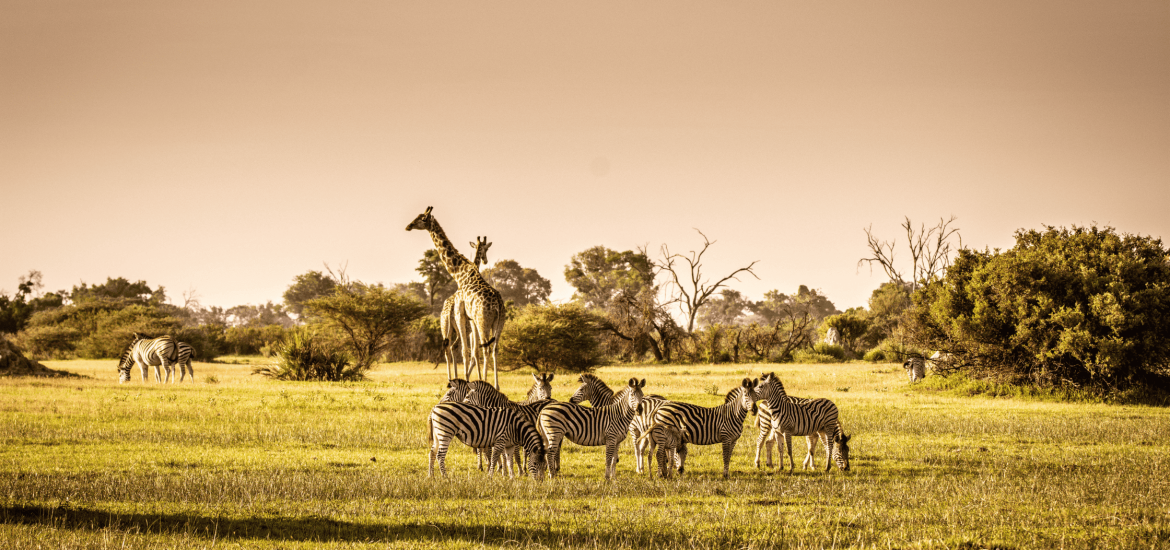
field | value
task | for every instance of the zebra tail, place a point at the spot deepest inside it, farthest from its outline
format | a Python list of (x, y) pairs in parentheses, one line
[(646, 434)]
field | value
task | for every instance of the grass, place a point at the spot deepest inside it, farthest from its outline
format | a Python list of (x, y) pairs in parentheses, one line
[(249, 462)]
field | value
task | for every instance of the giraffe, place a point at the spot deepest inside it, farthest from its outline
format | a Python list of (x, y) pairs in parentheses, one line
[(481, 303), (453, 321)]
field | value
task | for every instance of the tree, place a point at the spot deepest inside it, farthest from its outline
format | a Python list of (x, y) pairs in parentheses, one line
[(305, 287), (366, 316), (930, 252), (599, 274), (521, 285), (259, 316), (15, 311), (697, 291), (776, 305), (552, 337), (851, 326), (887, 305), (1078, 307), (437, 282), (118, 289), (729, 307)]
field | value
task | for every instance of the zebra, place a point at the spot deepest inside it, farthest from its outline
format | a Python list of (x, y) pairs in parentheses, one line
[(483, 394), (915, 368), (453, 322), (457, 390), (817, 418), (702, 426), (765, 440), (186, 352), (499, 429), (148, 352), (591, 426), (598, 394)]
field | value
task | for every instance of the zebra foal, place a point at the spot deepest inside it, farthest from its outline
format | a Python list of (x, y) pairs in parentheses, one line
[(500, 430), (699, 425), (146, 353), (591, 426), (816, 418)]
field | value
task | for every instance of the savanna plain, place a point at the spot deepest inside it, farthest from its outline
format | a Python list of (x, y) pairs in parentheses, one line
[(235, 460)]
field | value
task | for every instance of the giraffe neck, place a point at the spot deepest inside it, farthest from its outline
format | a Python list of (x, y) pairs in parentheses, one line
[(457, 264)]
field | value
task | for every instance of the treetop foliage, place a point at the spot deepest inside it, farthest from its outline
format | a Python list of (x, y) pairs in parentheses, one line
[(521, 285), (599, 274), (118, 289), (1080, 306), (305, 287)]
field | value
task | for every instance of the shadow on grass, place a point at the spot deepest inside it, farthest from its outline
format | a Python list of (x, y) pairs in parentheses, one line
[(322, 529)]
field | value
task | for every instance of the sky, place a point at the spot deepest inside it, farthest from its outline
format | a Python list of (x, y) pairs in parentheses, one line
[(222, 148)]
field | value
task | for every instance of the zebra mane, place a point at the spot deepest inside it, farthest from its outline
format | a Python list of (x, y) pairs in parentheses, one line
[(733, 394)]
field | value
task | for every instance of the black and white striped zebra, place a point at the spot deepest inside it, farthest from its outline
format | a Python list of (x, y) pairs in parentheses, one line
[(766, 438), (498, 429), (186, 352), (486, 395), (915, 368), (591, 426), (598, 394), (698, 425), (148, 352), (817, 417)]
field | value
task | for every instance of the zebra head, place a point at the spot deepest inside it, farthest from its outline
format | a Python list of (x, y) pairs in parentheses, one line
[(769, 387), (127, 360), (423, 221), (841, 451), (456, 391), (634, 393), (592, 390), (748, 394), (541, 388)]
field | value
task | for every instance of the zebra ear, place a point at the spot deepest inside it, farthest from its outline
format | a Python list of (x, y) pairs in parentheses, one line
[(633, 382), (747, 382), (845, 438), (549, 377), (538, 377), (642, 384)]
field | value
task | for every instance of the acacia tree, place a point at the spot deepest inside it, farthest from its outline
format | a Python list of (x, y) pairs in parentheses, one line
[(367, 316), (696, 291)]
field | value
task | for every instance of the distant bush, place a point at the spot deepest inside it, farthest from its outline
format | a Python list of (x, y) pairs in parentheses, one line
[(248, 340), (551, 338), (876, 356), (834, 350), (303, 357), (422, 341), (809, 356)]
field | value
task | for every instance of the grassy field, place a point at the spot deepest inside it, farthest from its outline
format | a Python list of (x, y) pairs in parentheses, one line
[(234, 460)]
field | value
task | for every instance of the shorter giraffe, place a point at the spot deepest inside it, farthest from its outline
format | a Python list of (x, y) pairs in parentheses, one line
[(453, 322)]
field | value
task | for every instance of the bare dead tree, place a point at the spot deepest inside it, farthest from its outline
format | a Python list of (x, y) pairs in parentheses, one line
[(930, 250), (191, 300), (696, 291)]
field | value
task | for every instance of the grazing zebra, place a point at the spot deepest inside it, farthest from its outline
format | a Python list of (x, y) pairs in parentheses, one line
[(598, 394), (916, 368), (698, 425), (186, 352), (457, 391), (453, 322), (591, 426), (485, 395), (144, 352), (766, 439), (497, 429), (816, 418)]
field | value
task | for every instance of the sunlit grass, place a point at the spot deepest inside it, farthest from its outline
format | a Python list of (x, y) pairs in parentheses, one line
[(242, 460)]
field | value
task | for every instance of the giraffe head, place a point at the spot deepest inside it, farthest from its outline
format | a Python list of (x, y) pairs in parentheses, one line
[(481, 247), (423, 221)]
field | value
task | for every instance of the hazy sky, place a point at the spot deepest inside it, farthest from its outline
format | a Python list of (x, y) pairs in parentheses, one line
[(226, 147)]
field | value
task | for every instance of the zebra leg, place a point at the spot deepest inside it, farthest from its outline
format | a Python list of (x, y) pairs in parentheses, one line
[(637, 449), (728, 448), (810, 459), (791, 461), (829, 443), (611, 459), (761, 443), (663, 455), (552, 453), (680, 457), (439, 451)]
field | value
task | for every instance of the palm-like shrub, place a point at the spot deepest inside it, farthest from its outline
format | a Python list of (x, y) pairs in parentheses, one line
[(302, 356)]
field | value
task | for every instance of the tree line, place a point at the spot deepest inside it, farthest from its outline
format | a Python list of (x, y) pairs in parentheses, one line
[(1081, 306)]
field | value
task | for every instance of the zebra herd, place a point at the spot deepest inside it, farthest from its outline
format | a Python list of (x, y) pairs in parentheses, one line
[(484, 419), (164, 352)]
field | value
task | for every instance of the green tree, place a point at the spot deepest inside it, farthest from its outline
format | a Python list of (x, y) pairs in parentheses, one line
[(437, 282), (599, 274), (777, 306), (521, 285), (305, 287), (118, 289), (851, 326), (552, 337), (887, 305), (366, 316), (1084, 307), (729, 307)]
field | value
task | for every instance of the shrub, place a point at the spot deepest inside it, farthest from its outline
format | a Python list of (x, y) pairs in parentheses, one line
[(834, 350), (1082, 307), (303, 357), (809, 356), (551, 337), (876, 355)]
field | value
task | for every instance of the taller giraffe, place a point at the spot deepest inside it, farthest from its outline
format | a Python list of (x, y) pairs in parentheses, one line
[(453, 322), (482, 303)]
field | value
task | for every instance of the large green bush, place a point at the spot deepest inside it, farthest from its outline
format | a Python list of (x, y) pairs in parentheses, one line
[(1079, 307), (303, 356), (551, 338)]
